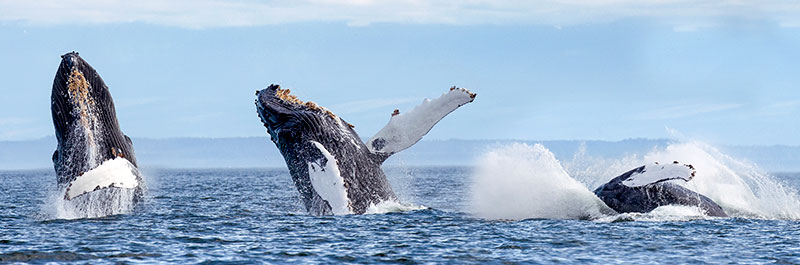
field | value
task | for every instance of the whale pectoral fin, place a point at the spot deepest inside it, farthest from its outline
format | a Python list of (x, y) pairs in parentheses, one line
[(406, 129), (128, 139), (655, 173), (55, 156)]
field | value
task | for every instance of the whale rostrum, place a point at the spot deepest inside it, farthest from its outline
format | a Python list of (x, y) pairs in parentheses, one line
[(333, 170)]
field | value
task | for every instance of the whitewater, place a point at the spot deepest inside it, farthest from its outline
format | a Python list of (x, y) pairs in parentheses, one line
[(520, 181)]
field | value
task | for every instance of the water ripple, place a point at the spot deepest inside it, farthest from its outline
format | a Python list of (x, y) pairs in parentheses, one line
[(254, 216)]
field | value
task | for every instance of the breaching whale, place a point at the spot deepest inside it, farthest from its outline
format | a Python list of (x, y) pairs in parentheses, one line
[(645, 188), (94, 162), (334, 171)]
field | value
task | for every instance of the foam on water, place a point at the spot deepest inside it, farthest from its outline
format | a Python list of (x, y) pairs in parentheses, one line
[(392, 206), (520, 181), (660, 214), (100, 203)]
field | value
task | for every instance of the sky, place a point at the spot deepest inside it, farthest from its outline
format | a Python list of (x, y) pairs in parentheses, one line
[(718, 71)]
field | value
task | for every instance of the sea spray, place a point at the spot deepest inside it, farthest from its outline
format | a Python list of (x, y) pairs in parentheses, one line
[(520, 181), (392, 206), (101, 203), (740, 187), (667, 213), (109, 189)]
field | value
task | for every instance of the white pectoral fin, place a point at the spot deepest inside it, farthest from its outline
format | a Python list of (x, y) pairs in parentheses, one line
[(117, 172), (656, 172), (406, 129)]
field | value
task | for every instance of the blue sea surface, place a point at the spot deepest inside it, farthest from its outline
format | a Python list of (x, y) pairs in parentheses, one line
[(243, 216)]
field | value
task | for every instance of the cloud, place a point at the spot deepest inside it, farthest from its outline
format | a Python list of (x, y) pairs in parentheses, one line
[(681, 111), (684, 14), (788, 108), (784, 104)]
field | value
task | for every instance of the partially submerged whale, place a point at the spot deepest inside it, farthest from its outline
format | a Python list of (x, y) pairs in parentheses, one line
[(645, 188), (334, 171), (94, 162)]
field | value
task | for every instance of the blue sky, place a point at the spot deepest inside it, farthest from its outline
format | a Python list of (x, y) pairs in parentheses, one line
[(718, 71)]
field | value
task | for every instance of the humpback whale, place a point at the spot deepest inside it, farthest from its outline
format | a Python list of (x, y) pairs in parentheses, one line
[(334, 171), (645, 188), (94, 162)]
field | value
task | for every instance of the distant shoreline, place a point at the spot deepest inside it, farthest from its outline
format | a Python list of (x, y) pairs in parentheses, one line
[(259, 152)]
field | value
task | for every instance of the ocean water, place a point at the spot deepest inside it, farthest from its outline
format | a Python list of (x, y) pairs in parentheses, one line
[(254, 216)]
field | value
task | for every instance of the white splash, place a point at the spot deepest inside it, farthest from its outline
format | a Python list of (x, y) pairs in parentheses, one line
[(328, 182), (738, 186), (117, 172), (668, 213), (392, 206), (520, 181), (100, 203), (111, 188), (656, 172), (406, 129)]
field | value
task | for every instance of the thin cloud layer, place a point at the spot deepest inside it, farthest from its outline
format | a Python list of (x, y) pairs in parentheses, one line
[(682, 14), (681, 111)]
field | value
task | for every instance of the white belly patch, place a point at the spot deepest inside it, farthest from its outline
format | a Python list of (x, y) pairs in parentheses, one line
[(117, 172)]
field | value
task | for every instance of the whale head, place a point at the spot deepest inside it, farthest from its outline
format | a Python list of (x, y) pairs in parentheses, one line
[(85, 120), (73, 96), (289, 120)]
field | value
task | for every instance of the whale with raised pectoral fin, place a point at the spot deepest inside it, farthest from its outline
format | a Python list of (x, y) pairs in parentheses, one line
[(334, 171), (647, 187), (94, 162)]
